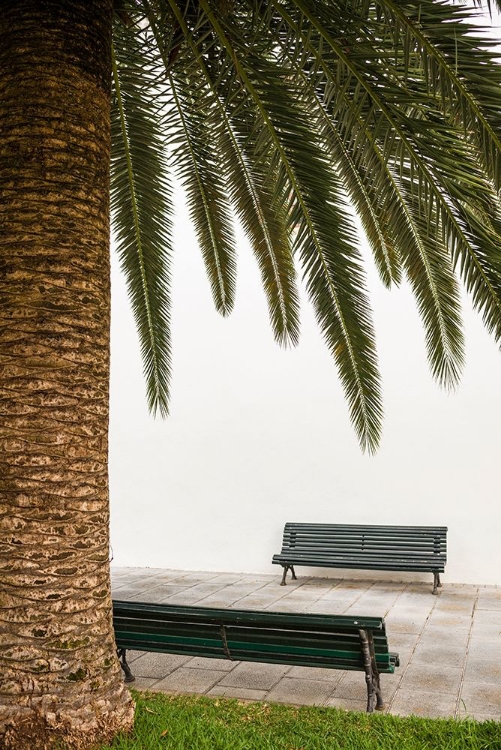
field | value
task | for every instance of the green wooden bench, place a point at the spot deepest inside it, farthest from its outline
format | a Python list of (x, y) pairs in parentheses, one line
[(329, 641), (363, 547)]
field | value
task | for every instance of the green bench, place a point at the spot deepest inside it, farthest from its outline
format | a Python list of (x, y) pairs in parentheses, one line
[(363, 547), (329, 641)]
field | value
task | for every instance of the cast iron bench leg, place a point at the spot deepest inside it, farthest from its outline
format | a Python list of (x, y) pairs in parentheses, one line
[(436, 583), (371, 673), (293, 572), (121, 653)]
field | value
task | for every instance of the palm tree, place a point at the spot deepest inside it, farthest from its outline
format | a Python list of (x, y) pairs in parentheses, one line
[(289, 111)]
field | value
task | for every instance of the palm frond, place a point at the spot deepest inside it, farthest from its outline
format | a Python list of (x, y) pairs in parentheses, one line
[(260, 218), (325, 236), (288, 108), (141, 203), (193, 132)]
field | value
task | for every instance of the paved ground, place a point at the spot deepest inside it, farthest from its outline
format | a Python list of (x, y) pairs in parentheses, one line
[(449, 645)]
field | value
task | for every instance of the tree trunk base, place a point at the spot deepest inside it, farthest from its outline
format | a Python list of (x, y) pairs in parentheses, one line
[(33, 730)]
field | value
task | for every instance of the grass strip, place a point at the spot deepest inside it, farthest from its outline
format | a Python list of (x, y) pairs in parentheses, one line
[(179, 722)]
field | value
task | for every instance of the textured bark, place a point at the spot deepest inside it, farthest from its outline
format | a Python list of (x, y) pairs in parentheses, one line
[(59, 676)]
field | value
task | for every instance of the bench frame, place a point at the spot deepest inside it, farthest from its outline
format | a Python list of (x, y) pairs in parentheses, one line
[(434, 563), (130, 630)]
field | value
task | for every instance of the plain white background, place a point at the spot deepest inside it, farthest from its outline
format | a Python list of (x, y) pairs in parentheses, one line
[(258, 435)]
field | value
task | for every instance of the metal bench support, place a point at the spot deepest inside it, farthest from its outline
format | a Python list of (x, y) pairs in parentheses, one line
[(436, 582), (121, 653), (293, 572), (371, 673)]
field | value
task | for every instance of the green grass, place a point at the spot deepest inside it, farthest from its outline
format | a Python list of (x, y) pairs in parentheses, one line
[(166, 722)]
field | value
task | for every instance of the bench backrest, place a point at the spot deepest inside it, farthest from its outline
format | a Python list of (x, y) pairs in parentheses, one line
[(246, 635), (421, 542)]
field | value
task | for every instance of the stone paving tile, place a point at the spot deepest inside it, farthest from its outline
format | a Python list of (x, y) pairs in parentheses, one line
[(194, 594), (282, 605), (440, 636), (488, 616), (199, 576), (403, 641), (368, 609), (220, 665), (257, 602), (227, 578), (463, 714), (431, 678), (351, 686), (134, 573), (344, 594), (170, 577), (488, 620), (359, 584), (239, 590), (244, 694), (485, 648), (136, 586), (156, 665), (329, 607), (408, 624), (460, 589), (273, 587), (255, 676), (300, 692), (451, 620), (143, 683), (485, 630), (403, 611), (189, 681), (424, 604), (439, 654), (157, 595), (455, 605), (422, 703), (305, 592), (390, 585), (485, 698), (347, 704), (489, 599), (482, 671), (332, 676), (325, 582)]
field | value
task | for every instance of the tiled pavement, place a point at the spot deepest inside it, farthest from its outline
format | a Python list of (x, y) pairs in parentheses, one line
[(449, 645)]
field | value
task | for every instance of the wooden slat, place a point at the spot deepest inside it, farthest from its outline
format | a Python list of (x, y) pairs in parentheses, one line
[(268, 618)]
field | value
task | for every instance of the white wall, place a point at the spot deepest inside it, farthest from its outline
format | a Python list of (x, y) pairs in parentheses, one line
[(258, 436)]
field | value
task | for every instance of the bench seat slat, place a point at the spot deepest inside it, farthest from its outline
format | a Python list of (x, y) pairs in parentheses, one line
[(214, 614), (362, 562)]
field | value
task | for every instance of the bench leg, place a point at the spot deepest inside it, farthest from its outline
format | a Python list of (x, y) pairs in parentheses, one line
[(293, 572), (374, 694), (436, 583), (286, 568), (121, 653)]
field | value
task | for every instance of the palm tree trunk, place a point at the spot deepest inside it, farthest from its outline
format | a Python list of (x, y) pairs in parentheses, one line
[(59, 676)]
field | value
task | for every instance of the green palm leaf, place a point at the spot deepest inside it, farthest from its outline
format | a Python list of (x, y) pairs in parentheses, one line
[(288, 108), (325, 237), (141, 205), (199, 167)]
